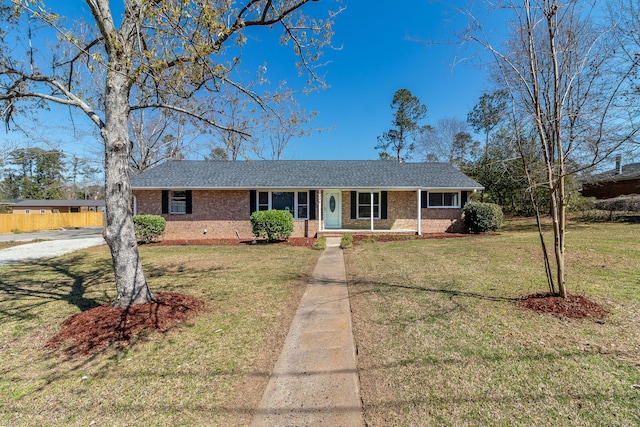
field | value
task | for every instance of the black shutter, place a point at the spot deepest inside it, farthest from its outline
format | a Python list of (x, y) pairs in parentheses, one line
[(165, 201), (383, 205), (354, 208), (312, 204), (424, 199), (463, 198), (188, 202), (252, 201)]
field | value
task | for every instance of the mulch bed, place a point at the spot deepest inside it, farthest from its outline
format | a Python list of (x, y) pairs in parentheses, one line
[(400, 237), (94, 330), (292, 241), (307, 241), (574, 306)]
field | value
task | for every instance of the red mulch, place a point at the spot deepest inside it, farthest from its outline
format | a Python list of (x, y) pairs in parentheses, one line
[(92, 331), (308, 241), (292, 241), (400, 237), (574, 306)]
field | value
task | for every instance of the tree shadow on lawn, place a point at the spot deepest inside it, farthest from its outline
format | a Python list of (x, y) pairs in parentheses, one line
[(450, 292), (23, 292)]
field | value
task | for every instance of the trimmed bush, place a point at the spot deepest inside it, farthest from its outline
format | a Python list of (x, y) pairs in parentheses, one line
[(148, 227), (320, 244), (482, 217), (347, 241), (273, 224)]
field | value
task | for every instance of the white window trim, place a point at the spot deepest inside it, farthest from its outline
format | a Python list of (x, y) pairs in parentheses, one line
[(171, 211), (369, 204), (295, 200), (429, 192)]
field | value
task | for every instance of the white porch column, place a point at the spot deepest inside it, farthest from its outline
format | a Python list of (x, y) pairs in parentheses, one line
[(320, 216), (419, 211), (372, 209), (135, 205)]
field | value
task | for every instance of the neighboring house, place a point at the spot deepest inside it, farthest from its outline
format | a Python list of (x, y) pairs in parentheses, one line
[(623, 180), (56, 206), (214, 199), (6, 204)]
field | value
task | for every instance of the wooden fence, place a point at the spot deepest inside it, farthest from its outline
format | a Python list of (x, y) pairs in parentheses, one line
[(34, 222)]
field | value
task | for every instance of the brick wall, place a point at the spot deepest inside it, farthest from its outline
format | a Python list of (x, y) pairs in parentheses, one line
[(402, 215), (607, 190), (223, 214), (440, 220)]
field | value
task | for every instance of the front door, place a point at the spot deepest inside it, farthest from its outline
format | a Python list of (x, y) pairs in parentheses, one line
[(332, 209)]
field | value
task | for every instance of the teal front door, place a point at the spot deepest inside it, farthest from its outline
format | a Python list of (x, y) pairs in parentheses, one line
[(332, 209)]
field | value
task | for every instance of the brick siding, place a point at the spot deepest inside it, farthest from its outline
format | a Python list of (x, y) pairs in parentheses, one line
[(607, 190), (224, 214), (402, 215)]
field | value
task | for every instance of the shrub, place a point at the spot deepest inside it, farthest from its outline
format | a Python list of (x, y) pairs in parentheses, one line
[(320, 244), (274, 224), (347, 241), (148, 227), (481, 217)]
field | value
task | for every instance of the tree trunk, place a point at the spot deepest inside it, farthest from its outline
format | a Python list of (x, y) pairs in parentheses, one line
[(562, 223), (119, 233)]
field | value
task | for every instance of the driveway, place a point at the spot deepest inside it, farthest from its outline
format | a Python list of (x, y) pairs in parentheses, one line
[(57, 243)]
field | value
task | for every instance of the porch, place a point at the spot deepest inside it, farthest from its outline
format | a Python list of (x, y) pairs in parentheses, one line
[(364, 232)]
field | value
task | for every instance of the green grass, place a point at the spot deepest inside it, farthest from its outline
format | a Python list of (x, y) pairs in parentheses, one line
[(441, 340), (212, 371)]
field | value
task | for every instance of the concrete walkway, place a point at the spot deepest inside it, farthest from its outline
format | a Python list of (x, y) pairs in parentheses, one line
[(315, 381), (49, 249)]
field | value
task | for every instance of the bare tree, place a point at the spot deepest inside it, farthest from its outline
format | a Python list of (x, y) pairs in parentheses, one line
[(172, 54), (279, 125), (157, 136), (447, 141), (557, 69)]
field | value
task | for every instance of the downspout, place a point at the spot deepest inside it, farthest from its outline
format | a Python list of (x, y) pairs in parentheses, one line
[(135, 205), (419, 212), (372, 209)]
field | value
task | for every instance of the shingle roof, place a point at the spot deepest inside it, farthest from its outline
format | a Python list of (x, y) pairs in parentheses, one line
[(340, 174), (630, 171), (58, 203)]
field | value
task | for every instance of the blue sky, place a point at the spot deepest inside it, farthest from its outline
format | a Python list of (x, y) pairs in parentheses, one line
[(378, 54)]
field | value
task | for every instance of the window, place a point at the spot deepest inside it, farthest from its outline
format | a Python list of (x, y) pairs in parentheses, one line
[(178, 202), (283, 201), (75, 209), (27, 211), (303, 204), (42, 211), (444, 200), (364, 205), (295, 202), (263, 201)]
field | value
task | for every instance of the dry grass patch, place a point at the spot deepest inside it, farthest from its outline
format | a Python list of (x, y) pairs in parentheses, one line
[(12, 243), (211, 371), (442, 341)]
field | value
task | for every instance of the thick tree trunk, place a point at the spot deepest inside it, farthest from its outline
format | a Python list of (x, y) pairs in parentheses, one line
[(119, 233)]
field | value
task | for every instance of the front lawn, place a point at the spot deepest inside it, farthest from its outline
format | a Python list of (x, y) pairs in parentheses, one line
[(211, 371), (441, 340)]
